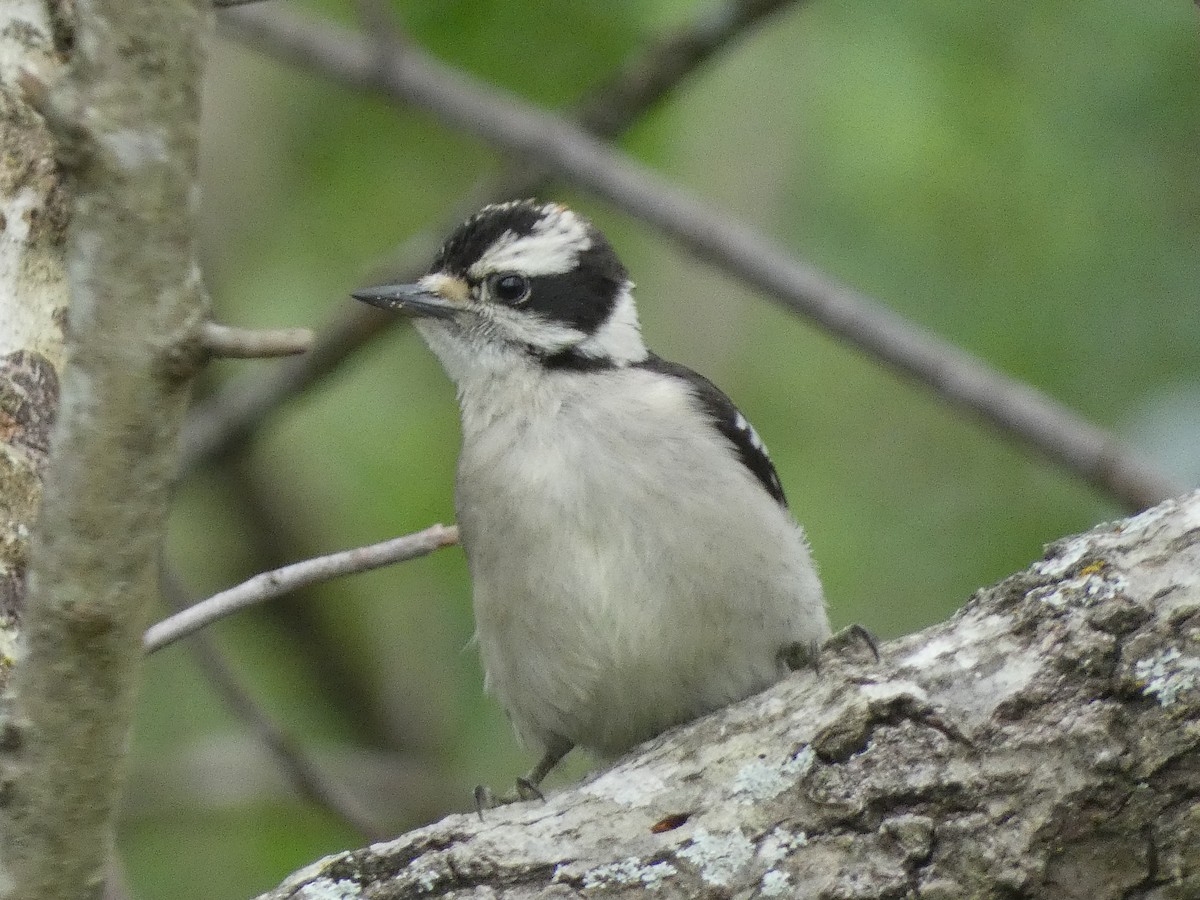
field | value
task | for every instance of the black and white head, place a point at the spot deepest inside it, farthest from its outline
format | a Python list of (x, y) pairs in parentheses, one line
[(522, 283), (533, 287)]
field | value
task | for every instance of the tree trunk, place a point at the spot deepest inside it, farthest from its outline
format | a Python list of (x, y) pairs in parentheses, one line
[(34, 211), (120, 125), (1041, 743)]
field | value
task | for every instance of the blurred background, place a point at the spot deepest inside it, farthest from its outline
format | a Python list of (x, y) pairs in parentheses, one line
[(1020, 178)]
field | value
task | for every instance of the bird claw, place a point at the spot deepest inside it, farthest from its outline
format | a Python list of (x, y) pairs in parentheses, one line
[(801, 655), (486, 798), (527, 790), (854, 634)]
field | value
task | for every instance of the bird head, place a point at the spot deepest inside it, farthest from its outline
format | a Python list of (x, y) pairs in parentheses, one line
[(522, 283)]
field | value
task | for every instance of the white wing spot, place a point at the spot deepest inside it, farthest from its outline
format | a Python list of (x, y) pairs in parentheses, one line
[(740, 423)]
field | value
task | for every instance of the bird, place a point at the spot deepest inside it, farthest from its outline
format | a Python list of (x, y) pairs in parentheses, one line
[(633, 559)]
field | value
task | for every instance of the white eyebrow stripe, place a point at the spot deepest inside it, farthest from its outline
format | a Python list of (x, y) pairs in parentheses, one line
[(552, 248)]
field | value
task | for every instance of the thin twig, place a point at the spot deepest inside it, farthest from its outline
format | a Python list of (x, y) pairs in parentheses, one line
[(650, 75), (267, 585), (499, 118), (326, 655), (116, 885), (254, 343), (226, 419), (307, 778), (380, 23)]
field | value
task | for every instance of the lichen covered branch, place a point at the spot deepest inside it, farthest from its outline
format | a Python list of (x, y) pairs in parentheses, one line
[(1040, 744)]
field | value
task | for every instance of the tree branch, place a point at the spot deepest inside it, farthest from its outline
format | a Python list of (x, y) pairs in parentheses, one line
[(267, 585), (254, 343), (225, 420), (1040, 744), (966, 382), (93, 562), (613, 106), (33, 293)]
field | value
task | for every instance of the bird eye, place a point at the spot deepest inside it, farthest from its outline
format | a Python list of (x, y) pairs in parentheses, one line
[(509, 287)]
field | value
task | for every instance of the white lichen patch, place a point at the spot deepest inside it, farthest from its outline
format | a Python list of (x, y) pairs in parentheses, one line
[(1016, 673), (16, 210), (718, 856), (10, 647), (310, 874), (773, 707), (892, 690), (26, 271), (632, 787), (1167, 674), (1148, 518), (1067, 558), (326, 889), (135, 148), (27, 31), (760, 780), (425, 872), (626, 873), (970, 633), (1089, 587), (779, 843), (776, 884)]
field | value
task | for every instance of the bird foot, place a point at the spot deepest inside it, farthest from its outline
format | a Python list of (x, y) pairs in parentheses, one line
[(524, 791), (801, 655), (850, 636)]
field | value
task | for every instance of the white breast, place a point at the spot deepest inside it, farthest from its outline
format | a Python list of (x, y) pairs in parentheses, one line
[(629, 572)]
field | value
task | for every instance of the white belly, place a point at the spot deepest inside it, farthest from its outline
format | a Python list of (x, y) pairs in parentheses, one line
[(611, 602)]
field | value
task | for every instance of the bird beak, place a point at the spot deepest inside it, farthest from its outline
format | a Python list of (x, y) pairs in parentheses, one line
[(434, 296)]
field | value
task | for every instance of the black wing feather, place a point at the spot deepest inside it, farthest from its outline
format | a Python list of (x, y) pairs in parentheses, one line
[(729, 421)]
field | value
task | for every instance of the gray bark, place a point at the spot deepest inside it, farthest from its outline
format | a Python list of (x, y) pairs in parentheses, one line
[(1043, 743), (123, 125), (34, 210)]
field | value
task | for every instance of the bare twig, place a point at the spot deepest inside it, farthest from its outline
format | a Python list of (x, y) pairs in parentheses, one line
[(267, 585), (965, 381), (374, 716), (380, 23), (307, 778), (254, 343), (225, 420), (656, 71), (116, 884)]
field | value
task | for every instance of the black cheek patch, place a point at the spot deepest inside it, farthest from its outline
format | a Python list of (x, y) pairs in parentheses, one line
[(584, 297)]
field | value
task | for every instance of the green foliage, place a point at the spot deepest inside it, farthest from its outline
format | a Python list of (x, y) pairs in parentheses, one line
[(1020, 178)]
